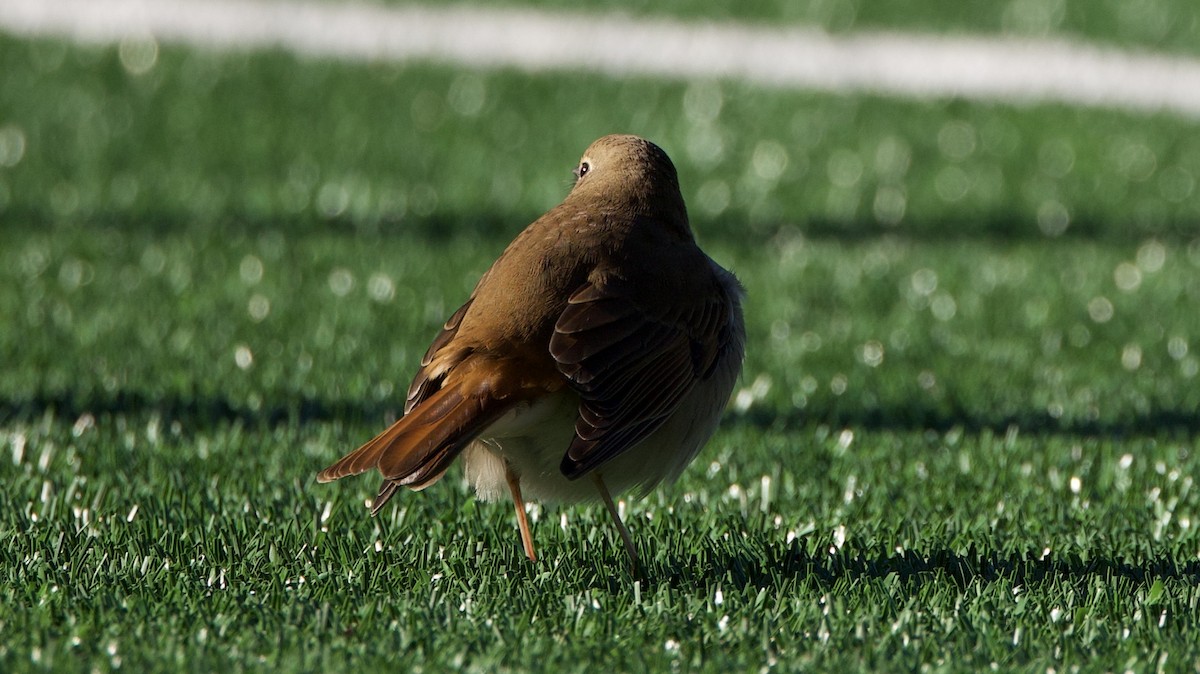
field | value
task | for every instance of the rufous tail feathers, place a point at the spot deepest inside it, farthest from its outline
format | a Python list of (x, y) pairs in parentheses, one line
[(415, 450)]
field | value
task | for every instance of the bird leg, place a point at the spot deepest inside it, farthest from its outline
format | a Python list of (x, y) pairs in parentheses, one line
[(514, 485), (612, 510)]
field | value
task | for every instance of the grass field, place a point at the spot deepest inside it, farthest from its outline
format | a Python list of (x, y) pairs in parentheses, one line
[(966, 436)]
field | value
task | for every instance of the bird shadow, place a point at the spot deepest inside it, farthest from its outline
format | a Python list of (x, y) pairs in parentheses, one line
[(1154, 422), (778, 566)]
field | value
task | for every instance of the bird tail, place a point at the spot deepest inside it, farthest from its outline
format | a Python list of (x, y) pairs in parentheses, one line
[(417, 449)]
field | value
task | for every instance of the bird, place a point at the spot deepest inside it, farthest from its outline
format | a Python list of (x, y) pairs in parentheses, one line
[(601, 347)]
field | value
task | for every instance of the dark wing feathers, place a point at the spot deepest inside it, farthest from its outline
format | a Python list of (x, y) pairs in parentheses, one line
[(588, 314), (423, 385), (653, 382), (579, 345), (631, 365)]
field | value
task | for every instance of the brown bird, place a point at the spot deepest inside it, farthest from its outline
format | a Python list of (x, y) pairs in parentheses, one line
[(603, 342)]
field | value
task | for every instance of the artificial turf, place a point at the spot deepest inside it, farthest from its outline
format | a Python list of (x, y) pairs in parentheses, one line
[(965, 436)]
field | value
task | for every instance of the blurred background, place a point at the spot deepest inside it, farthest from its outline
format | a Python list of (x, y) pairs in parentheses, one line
[(253, 226)]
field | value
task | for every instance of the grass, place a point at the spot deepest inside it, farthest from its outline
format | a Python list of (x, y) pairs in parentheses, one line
[(965, 437), (149, 543)]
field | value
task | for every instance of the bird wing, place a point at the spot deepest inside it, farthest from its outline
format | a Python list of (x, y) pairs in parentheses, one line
[(633, 362), (429, 379)]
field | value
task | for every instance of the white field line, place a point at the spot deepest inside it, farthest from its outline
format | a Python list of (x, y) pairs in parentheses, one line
[(920, 66)]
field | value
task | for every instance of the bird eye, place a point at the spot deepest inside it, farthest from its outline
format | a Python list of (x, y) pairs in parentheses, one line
[(583, 169)]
